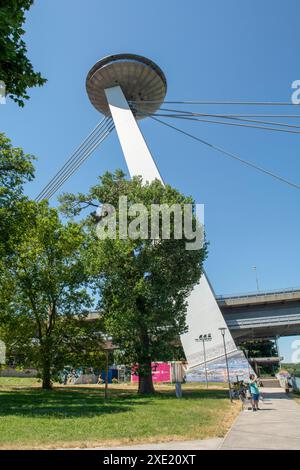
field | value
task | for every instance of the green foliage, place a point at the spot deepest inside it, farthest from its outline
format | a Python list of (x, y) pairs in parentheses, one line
[(143, 284), (16, 168), (44, 289), (44, 295), (292, 368), (262, 348), (16, 70)]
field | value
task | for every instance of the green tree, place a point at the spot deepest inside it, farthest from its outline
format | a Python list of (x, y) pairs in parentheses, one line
[(261, 348), (143, 284), (16, 70), (292, 368), (45, 295), (16, 168)]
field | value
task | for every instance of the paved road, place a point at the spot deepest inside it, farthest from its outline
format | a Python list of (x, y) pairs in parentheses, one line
[(275, 426)]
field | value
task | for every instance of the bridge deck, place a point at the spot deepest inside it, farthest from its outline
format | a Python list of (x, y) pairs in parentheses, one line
[(262, 314), (285, 295), (258, 315)]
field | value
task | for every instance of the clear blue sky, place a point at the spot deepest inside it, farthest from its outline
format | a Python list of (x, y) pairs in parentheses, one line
[(209, 50)]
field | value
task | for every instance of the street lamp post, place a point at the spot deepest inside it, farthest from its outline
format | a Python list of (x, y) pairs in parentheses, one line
[(106, 374), (277, 348), (223, 331), (256, 277), (107, 348), (203, 339), (247, 357)]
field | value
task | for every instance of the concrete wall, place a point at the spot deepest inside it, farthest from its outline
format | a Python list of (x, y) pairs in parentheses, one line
[(11, 372)]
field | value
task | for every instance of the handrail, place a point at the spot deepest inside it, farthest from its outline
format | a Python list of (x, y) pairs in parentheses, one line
[(268, 320), (259, 294)]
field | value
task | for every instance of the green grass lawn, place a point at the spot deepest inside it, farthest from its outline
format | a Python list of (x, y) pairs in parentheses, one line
[(79, 416), (18, 382)]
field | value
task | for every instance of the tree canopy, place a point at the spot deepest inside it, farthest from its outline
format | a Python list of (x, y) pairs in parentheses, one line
[(16, 70), (50, 271), (16, 168), (143, 283), (261, 348), (45, 292), (45, 297)]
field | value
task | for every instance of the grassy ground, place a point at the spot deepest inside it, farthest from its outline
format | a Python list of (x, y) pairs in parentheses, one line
[(78, 416)]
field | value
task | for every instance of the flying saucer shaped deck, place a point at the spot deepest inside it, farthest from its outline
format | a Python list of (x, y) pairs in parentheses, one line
[(140, 80)]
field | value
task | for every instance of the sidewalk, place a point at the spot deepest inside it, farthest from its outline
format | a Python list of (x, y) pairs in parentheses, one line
[(275, 426), (205, 444)]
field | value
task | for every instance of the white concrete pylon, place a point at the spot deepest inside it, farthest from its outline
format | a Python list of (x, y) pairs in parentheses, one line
[(203, 313), (137, 155)]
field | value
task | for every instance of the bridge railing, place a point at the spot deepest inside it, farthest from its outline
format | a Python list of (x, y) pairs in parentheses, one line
[(259, 293), (260, 322)]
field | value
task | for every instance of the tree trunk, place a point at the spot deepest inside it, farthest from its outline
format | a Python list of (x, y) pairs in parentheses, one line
[(46, 364), (145, 380), (46, 375), (145, 369)]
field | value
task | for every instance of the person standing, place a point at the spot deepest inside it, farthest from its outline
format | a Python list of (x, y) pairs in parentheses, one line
[(254, 390), (288, 384)]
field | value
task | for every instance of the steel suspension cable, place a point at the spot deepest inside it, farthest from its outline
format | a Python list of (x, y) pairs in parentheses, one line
[(83, 158), (245, 103), (181, 111), (100, 135), (72, 159), (229, 154), (75, 158), (177, 113), (190, 118), (258, 121)]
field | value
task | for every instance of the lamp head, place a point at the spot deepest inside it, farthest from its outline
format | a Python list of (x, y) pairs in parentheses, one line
[(223, 330)]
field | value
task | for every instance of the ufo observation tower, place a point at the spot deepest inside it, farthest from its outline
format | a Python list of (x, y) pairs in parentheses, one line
[(119, 86), (112, 84), (139, 78)]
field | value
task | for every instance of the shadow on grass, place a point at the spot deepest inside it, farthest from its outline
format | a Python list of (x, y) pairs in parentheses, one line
[(85, 402), (132, 395), (39, 403)]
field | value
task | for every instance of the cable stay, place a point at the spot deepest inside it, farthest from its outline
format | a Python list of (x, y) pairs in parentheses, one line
[(190, 118), (244, 118), (79, 156), (228, 154), (74, 156), (181, 111), (252, 120), (83, 159), (244, 103)]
